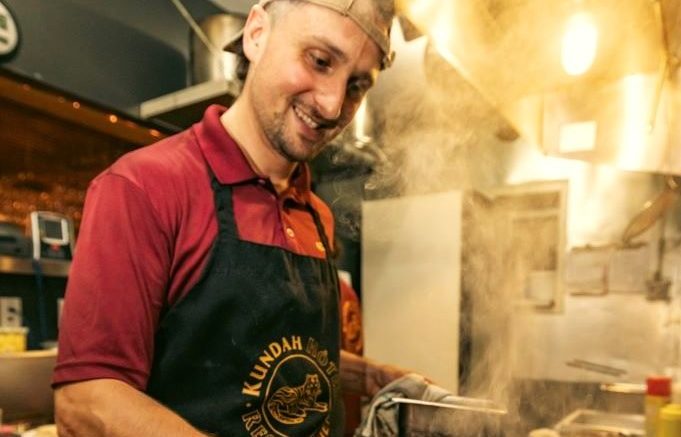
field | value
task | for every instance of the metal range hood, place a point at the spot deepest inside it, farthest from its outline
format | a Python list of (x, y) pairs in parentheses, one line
[(625, 110), (212, 74)]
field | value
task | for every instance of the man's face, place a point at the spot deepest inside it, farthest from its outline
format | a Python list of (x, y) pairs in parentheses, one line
[(307, 83)]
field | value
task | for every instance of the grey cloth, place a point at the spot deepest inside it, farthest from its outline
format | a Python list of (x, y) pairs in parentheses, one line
[(382, 417)]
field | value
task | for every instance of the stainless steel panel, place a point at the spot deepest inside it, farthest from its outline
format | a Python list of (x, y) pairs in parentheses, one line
[(212, 63), (466, 417)]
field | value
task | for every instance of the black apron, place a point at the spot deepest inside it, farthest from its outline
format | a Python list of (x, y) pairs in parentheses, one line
[(253, 348)]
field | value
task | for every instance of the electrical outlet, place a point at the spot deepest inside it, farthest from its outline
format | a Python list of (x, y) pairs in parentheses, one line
[(10, 312)]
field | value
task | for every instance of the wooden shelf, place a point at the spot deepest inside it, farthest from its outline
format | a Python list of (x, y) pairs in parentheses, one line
[(24, 266), (53, 144), (60, 105)]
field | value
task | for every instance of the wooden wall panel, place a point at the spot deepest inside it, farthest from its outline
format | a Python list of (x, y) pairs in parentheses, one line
[(46, 163)]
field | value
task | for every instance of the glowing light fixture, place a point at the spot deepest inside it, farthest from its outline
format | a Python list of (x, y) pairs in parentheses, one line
[(434, 17), (441, 33), (419, 10), (635, 131), (360, 124), (580, 44)]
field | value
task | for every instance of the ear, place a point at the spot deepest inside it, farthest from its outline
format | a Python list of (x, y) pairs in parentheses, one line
[(256, 30)]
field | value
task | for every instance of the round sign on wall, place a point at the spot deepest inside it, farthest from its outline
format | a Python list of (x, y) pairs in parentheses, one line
[(9, 34)]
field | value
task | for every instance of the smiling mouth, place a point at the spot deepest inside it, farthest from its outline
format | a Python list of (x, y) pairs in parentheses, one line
[(309, 122)]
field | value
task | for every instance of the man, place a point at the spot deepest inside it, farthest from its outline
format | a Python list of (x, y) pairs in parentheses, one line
[(202, 298)]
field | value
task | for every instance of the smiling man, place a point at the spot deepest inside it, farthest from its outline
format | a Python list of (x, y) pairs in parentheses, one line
[(203, 299)]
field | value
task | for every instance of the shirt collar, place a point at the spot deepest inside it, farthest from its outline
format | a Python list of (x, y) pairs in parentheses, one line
[(228, 162)]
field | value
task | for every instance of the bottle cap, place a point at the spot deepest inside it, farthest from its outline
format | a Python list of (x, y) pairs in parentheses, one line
[(671, 412), (659, 386)]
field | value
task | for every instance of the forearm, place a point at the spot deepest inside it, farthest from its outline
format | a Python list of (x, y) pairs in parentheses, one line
[(353, 370), (366, 377), (111, 408)]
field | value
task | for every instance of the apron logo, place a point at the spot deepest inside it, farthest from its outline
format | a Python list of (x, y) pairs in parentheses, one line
[(265, 361), (290, 390), (290, 405)]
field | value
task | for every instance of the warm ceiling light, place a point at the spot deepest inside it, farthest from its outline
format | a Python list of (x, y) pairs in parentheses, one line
[(113, 118), (419, 10), (441, 32), (580, 43)]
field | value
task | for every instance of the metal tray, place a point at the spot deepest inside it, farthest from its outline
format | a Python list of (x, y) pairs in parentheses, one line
[(599, 423), (462, 417)]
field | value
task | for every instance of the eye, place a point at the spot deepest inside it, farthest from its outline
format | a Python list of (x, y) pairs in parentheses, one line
[(357, 88), (319, 60)]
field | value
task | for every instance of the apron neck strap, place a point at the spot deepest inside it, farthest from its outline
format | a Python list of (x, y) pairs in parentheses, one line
[(224, 209), (322, 233)]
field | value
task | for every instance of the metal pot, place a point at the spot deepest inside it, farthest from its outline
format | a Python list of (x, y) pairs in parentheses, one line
[(213, 63)]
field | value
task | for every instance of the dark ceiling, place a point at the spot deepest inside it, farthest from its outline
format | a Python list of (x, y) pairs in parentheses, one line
[(160, 18)]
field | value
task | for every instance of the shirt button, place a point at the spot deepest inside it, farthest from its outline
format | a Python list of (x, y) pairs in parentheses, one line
[(290, 232), (320, 246)]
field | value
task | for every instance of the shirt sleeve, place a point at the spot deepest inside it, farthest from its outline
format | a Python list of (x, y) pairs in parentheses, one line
[(116, 287)]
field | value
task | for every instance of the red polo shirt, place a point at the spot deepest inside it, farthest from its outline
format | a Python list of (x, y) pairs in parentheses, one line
[(147, 232)]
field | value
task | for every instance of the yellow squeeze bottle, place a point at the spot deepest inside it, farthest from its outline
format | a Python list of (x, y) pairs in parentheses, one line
[(669, 421), (658, 394)]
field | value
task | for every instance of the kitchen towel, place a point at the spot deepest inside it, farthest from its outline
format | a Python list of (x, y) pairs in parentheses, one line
[(382, 417)]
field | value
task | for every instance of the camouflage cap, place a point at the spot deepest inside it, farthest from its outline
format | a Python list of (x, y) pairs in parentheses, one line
[(374, 17)]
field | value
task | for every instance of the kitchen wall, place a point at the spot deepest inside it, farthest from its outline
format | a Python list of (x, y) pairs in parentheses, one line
[(440, 135), (411, 280)]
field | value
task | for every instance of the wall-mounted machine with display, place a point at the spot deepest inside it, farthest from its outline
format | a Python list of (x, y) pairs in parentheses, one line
[(9, 33), (52, 236)]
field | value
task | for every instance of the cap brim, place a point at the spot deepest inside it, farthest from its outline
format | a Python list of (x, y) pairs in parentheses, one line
[(235, 44)]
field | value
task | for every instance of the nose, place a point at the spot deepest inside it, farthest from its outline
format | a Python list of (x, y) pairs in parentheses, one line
[(330, 98)]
